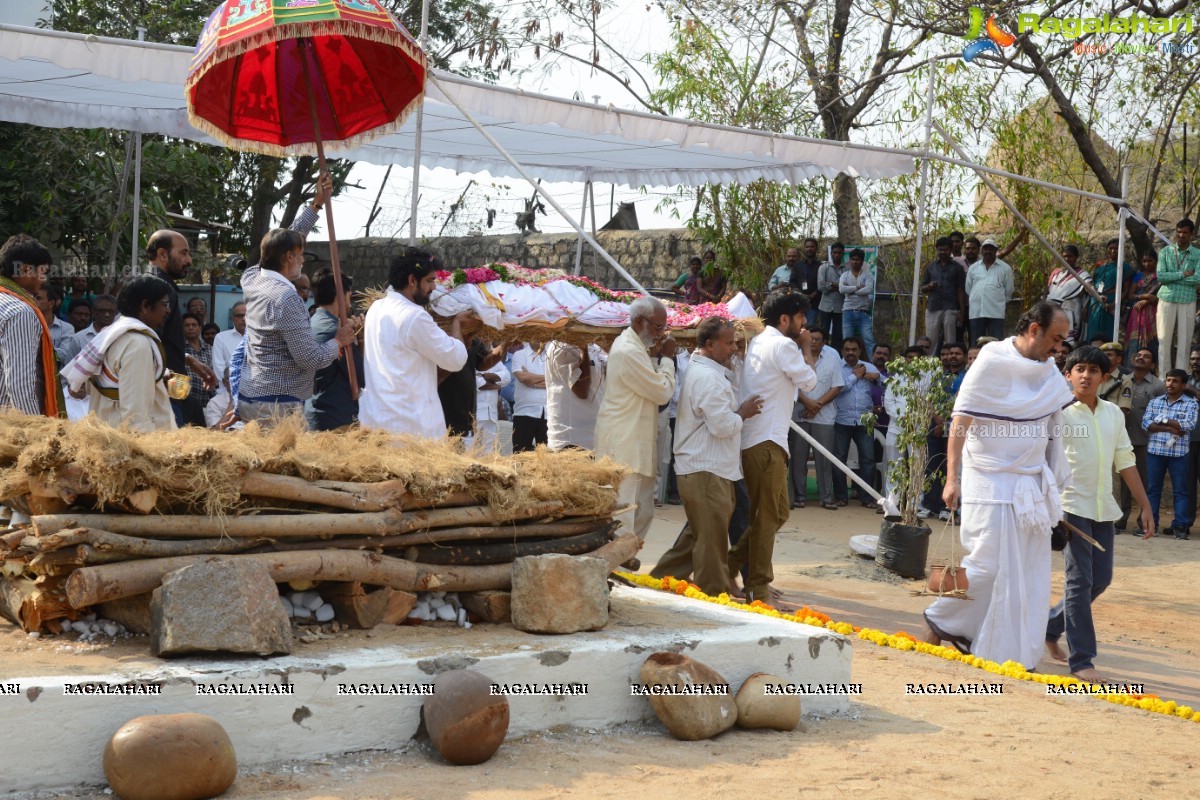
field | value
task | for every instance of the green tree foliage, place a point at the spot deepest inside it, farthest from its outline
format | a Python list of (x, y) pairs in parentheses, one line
[(751, 226), (65, 186), (922, 390)]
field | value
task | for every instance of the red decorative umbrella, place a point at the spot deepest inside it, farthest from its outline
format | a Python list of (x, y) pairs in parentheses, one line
[(282, 77), (262, 66)]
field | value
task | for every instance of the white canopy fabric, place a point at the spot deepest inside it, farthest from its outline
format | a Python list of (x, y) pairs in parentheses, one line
[(59, 80)]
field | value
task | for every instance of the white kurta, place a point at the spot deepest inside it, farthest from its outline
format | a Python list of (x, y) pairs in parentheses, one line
[(403, 349), (1012, 468), (627, 425), (571, 420)]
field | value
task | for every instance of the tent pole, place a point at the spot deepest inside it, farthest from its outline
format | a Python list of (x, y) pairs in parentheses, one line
[(1120, 254), (592, 195), (537, 186), (1087, 285), (137, 187), (587, 185), (137, 200), (916, 281), (416, 176)]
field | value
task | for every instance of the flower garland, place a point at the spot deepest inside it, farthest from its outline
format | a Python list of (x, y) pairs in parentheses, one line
[(905, 641)]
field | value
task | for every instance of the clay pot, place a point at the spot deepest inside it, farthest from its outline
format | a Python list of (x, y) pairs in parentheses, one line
[(758, 709), (170, 757), (944, 579), (694, 716), (466, 723)]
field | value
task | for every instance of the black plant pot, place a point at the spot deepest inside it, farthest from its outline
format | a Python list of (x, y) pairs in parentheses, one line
[(903, 549)]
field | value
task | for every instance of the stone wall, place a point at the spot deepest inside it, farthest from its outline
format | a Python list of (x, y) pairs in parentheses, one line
[(654, 257)]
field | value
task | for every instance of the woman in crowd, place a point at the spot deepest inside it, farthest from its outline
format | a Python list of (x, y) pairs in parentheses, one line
[(1140, 330)]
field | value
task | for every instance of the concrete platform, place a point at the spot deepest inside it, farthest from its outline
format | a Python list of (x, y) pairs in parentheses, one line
[(55, 739)]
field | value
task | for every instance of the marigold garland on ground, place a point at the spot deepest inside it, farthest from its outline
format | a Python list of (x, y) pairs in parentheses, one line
[(906, 641)]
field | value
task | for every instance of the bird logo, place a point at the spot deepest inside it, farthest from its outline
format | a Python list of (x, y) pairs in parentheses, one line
[(984, 36)]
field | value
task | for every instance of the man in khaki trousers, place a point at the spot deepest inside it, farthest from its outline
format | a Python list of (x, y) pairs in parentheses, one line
[(708, 436), (778, 362)]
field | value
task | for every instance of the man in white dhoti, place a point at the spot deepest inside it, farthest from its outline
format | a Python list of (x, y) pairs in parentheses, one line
[(1005, 435)]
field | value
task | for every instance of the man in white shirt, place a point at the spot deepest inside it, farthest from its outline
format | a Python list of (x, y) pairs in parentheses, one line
[(224, 345), (104, 311), (529, 410), (989, 287), (488, 384), (778, 362), (404, 348), (640, 377), (816, 413), (574, 389), (708, 428), (227, 341)]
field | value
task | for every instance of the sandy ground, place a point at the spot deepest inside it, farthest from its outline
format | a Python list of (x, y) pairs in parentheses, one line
[(1020, 742)]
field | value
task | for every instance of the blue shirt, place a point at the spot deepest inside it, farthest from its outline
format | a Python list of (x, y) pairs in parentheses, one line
[(855, 399), (1168, 444)]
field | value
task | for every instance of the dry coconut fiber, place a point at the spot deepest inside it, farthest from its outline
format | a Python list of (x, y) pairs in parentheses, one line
[(197, 470)]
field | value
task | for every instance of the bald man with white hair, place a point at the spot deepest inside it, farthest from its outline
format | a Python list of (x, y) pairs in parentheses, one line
[(640, 378)]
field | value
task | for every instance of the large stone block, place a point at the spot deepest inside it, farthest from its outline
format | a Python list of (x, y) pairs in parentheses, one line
[(559, 594), (221, 606)]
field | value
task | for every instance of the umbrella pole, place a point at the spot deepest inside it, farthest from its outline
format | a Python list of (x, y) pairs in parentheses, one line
[(323, 170)]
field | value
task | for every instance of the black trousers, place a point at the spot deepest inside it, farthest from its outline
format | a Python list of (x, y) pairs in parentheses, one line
[(528, 433), (986, 326)]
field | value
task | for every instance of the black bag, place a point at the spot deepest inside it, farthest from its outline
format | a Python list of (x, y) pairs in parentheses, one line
[(1059, 536), (903, 549)]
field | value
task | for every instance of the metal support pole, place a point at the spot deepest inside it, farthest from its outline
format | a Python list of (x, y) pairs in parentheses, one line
[(1087, 285), (587, 186), (537, 186), (137, 201), (136, 240), (916, 281), (1121, 214), (416, 174)]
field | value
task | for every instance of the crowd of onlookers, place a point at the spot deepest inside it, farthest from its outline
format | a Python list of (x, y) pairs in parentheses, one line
[(292, 348)]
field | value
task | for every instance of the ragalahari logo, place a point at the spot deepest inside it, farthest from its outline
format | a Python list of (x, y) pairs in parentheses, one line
[(985, 36)]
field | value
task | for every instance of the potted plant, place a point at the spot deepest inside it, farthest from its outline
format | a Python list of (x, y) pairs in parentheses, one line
[(918, 391)]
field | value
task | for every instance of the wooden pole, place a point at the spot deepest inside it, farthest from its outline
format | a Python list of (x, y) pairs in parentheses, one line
[(290, 526), (306, 49), (91, 585)]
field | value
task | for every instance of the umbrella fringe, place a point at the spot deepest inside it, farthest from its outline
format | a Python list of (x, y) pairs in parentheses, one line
[(301, 148), (284, 32)]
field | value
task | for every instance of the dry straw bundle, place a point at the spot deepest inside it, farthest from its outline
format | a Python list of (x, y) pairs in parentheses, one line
[(113, 510)]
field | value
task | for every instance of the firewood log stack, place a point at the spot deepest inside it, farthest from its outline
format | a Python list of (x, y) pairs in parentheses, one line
[(113, 511)]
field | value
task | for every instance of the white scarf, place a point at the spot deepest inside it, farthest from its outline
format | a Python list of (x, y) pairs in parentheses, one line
[(90, 361), (1002, 384)]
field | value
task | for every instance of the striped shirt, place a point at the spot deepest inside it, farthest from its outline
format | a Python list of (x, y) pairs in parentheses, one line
[(707, 426), (282, 356), (238, 361), (20, 356), (1168, 444)]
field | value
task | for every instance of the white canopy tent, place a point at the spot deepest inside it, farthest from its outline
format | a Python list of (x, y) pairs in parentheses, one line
[(58, 80)]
